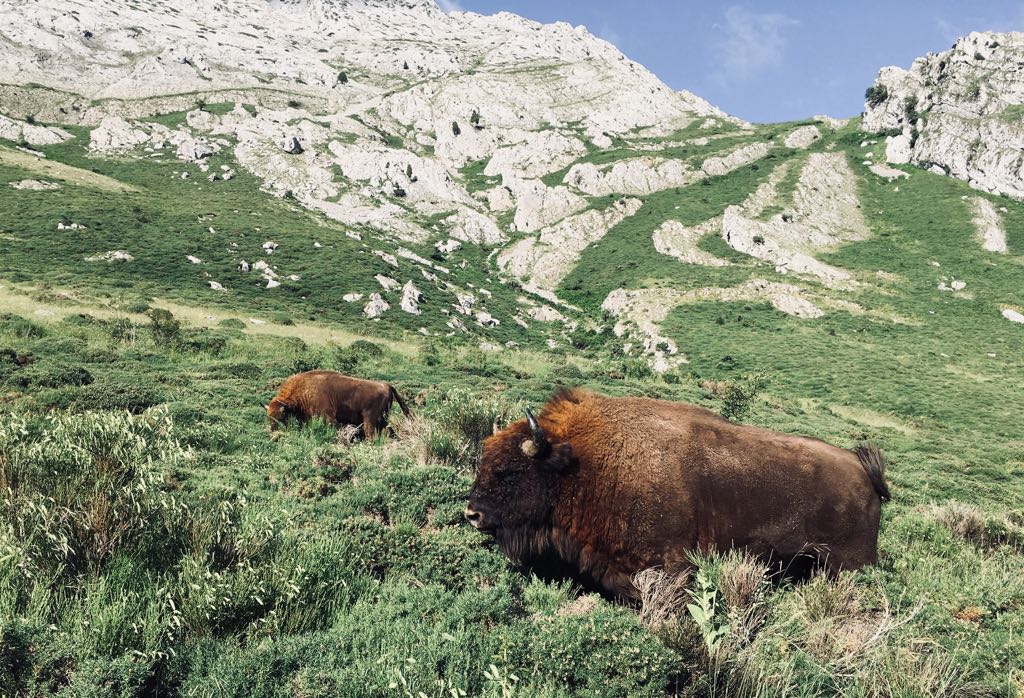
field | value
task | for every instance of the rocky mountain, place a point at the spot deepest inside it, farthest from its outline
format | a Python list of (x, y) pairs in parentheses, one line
[(453, 174), (960, 112)]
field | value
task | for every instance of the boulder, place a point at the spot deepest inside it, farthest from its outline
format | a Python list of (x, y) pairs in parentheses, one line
[(411, 299), (376, 306)]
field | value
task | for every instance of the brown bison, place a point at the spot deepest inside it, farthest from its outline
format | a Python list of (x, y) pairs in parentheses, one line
[(607, 487), (338, 398)]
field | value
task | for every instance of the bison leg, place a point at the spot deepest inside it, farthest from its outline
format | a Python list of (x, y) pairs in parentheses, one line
[(369, 427)]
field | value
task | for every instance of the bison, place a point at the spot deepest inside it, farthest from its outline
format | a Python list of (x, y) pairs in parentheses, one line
[(606, 487), (338, 398)]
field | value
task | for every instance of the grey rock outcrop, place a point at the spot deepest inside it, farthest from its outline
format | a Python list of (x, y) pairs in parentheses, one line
[(961, 110)]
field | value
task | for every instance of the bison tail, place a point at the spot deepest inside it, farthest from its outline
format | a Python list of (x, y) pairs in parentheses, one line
[(401, 402), (874, 464)]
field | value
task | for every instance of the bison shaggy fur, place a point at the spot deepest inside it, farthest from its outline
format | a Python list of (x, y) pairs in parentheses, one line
[(607, 487), (338, 399)]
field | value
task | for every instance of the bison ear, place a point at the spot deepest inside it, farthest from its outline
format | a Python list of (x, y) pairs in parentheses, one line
[(560, 459)]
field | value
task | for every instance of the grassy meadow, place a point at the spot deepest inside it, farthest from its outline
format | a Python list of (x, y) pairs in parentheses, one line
[(155, 539)]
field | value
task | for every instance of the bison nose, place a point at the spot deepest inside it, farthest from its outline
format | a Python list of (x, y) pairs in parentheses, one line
[(475, 518)]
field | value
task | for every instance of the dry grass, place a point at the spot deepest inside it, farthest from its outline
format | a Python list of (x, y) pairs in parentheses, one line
[(663, 597), (65, 173), (964, 521)]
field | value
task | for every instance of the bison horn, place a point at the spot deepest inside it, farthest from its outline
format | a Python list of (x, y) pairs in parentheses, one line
[(540, 439)]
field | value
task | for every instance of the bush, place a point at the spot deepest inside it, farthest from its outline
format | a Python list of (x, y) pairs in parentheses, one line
[(124, 331), (456, 130), (80, 487), (293, 104), (636, 368), (604, 653), (212, 343), (454, 427), (739, 395), (54, 376), (165, 328), (108, 394), (430, 353), (232, 323), (346, 359), (876, 94), (567, 374), (20, 327)]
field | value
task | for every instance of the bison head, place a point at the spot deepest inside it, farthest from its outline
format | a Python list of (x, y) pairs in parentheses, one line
[(517, 482)]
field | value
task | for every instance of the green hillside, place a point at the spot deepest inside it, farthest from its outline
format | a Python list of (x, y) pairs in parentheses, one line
[(157, 540)]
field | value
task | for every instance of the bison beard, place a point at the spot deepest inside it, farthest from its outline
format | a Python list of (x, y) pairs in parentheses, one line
[(337, 398), (607, 487)]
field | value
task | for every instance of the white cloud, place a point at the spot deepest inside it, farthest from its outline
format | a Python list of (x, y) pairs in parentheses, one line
[(750, 42), (449, 6)]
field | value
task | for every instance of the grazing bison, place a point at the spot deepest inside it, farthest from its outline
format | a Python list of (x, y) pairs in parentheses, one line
[(338, 398), (607, 487)]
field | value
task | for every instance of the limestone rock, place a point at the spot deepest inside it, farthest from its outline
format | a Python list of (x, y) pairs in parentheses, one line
[(33, 134), (376, 306), (1013, 315), (411, 299), (898, 150), (989, 225), (542, 262), (740, 157), (960, 109), (115, 134), (827, 215), (387, 283), (112, 257), (803, 137), (35, 185)]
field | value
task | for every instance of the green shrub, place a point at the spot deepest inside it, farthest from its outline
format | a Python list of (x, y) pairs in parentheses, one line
[(54, 376), (346, 359), (80, 487), (135, 307), (636, 368), (232, 323), (124, 330), (164, 327), (567, 374), (459, 422), (81, 320), (430, 353), (605, 653), (207, 342), (739, 395), (21, 328), (106, 394), (876, 94)]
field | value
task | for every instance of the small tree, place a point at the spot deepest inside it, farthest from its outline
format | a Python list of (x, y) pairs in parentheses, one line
[(455, 128), (342, 79)]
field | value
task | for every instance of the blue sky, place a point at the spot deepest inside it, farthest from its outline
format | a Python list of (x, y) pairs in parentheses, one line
[(773, 60)]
